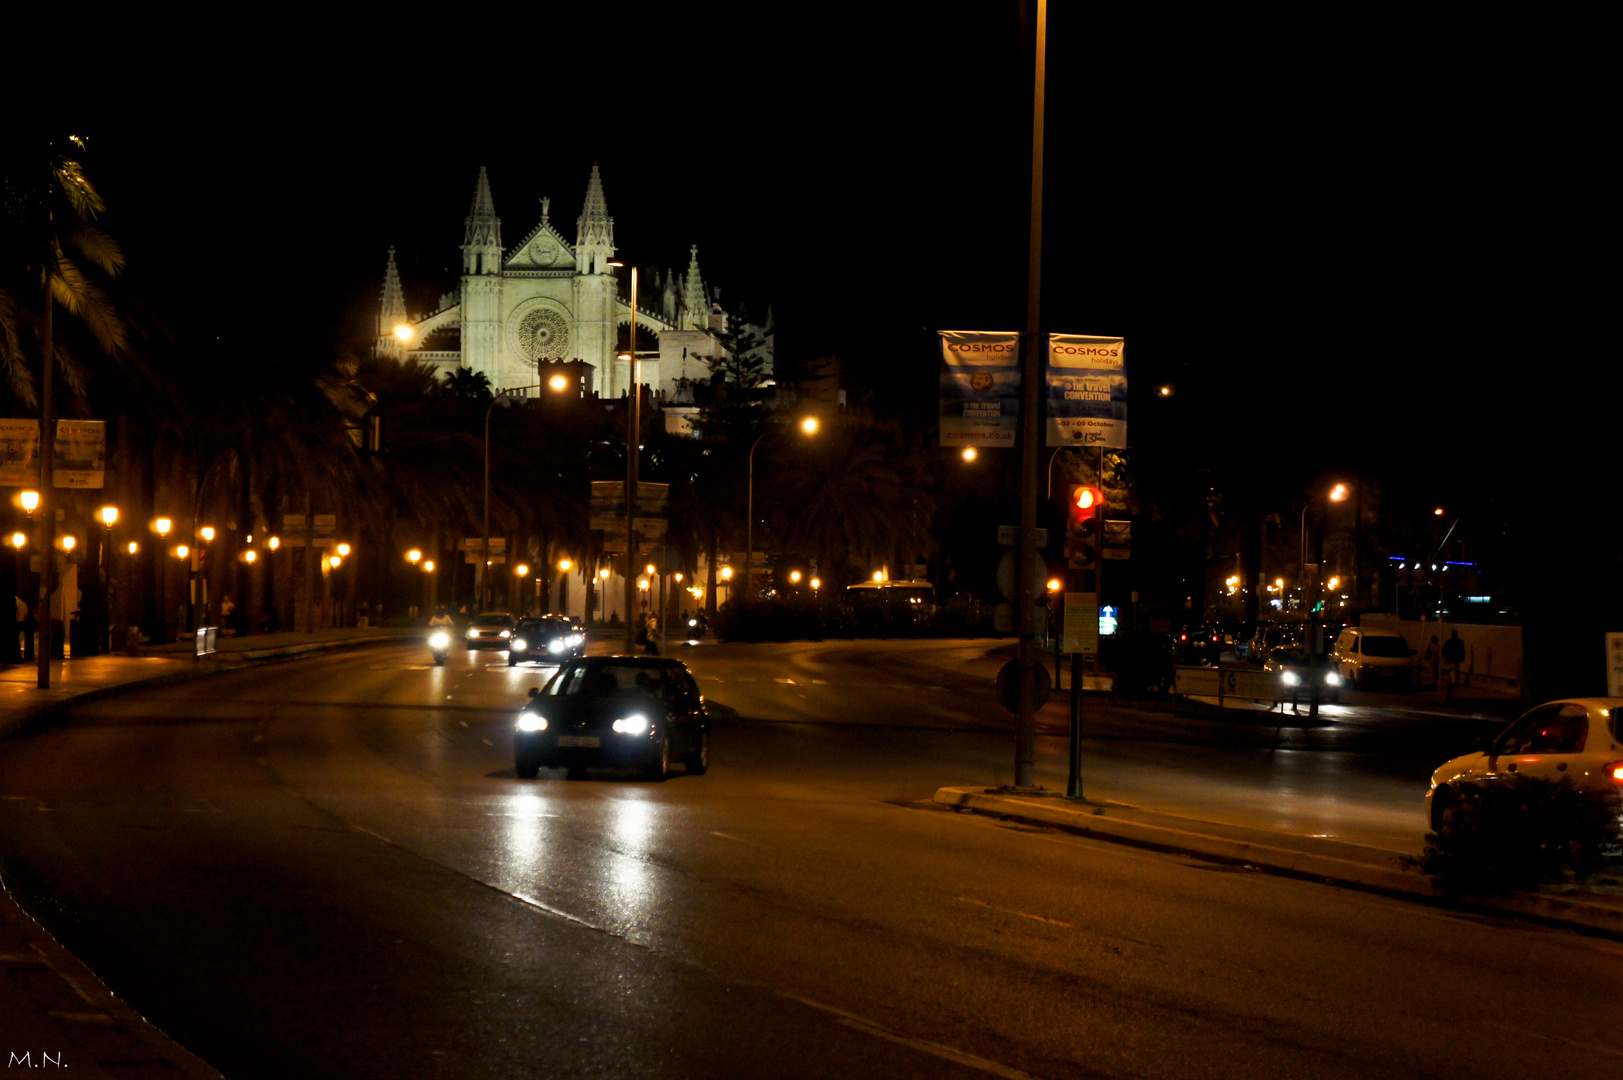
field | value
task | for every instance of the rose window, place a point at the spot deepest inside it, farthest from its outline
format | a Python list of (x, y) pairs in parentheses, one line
[(544, 335)]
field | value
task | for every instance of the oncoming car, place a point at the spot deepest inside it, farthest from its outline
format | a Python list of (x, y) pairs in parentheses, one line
[(1364, 656), (1580, 739), (1295, 669), (489, 630), (639, 712), (550, 638)]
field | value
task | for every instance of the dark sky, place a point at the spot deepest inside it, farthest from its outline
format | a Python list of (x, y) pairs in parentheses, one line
[(1315, 226)]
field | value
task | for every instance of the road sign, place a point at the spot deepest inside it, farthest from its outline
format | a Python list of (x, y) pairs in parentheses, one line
[(325, 524), (1008, 686), (293, 523), (1080, 632), (1009, 536), (1008, 570)]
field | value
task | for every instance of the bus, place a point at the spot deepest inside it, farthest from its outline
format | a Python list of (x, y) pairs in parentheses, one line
[(915, 597)]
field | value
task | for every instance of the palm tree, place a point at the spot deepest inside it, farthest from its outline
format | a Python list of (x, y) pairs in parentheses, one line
[(51, 252)]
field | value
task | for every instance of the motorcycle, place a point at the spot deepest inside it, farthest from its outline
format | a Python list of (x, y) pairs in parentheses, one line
[(439, 643)]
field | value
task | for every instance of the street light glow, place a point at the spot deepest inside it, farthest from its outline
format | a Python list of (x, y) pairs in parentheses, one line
[(207, 533), (1338, 493), (18, 540), (603, 573), (642, 583), (649, 570), (1438, 512), (678, 577), (559, 383), (414, 556), (794, 577), (1055, 584), (879, 575), (182, 551), (522, 570), (274, 542), (162, 525), (343, 549), (565, 565), (726, 573), (970, 453), (30, 500), (404, 333), (134, 547), (249, 556), (109, 515), (809, 425), (428, 566), (67, 542), (335, 562), (816, 583)]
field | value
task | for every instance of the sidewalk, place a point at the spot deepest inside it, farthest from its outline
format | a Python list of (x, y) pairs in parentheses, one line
[(1281, 853), (54, 1012)]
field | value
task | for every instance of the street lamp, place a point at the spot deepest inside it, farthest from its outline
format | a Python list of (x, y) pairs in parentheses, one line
[(30, 501), (1335, 494), (162, 527), (808, 426), (970, 453), (414, 556)]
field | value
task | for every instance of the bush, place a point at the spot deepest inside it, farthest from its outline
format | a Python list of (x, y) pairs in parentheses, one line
[(1519, 834)]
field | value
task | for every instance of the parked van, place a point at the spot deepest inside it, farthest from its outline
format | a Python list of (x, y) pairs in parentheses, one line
[(1369, 656)]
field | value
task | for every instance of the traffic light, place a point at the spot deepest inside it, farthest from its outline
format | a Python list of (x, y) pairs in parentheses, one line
[(1086, 506)]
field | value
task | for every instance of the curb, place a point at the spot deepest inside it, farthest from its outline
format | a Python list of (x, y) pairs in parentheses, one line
[(1561, 911)]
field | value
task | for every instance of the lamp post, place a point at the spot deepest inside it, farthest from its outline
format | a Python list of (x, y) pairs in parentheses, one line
[(633, 451), (1335, 494), (162, 526), (104, 564), (807, 425), (563, 586)]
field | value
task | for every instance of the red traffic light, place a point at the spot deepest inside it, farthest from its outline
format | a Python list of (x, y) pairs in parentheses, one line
[(1085, 502)]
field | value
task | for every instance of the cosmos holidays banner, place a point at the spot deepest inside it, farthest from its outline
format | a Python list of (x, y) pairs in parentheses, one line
[(1087, 391), (980, 388)]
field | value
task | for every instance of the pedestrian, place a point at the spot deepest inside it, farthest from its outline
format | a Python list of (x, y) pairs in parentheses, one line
[(650, 636), (1432, 658), (1453, 656)]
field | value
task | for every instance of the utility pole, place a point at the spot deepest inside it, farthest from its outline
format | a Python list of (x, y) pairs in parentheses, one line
[(1025, 724)]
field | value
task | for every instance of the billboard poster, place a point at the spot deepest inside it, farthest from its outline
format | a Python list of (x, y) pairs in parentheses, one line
[(980, 388), (1087, 391), (19, 453), (79, 453)]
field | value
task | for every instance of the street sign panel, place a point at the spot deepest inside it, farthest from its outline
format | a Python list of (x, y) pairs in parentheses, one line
[(325, 524), (1080, 630)]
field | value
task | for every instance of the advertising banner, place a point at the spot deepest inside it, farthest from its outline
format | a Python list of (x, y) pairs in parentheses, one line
[(1087, 391), (19, 453), (980, 388), (80, 454)]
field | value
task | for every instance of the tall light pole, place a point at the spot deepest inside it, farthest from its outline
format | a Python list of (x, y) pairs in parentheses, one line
[(161, 526), (633, 451), (807, 425)]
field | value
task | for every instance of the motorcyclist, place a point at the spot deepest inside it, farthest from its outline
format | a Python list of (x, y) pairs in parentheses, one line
[(440, 618)]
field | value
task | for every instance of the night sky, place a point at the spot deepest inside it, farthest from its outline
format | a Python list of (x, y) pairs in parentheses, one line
[(1312, 226)]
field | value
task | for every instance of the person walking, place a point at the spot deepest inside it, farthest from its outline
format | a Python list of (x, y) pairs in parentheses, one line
[(1453, 656)]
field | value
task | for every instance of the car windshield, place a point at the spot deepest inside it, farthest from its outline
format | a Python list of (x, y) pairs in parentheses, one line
[(544, 626), (1385, 647), (1289, 657), (602, 680), (492, 620)]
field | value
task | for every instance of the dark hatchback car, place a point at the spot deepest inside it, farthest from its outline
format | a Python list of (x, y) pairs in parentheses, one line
[(546, 639), (489, 630), (627, 712)]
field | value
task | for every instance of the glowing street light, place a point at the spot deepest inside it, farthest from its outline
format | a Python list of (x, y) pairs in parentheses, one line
[(109, 516), (564, 565), (30, 501), (68, 541), (970, 453), (726, 573), (273, 542), (133, 547), (162, 526), (809, 427), (428, 566), (604, 573), (1055, 584), (207, 533), (335, 561), (414, 556), (249, 556), (522, 570), (181, 551), (19, 540), (816, 583), (404, 334), (558, 383)]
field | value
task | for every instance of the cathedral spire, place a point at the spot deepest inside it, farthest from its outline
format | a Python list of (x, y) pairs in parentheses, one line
[(482, 244), (393, 311), (693, 295), (594, 230)]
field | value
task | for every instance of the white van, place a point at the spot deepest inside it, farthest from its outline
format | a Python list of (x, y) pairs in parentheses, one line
[(1368, 656)]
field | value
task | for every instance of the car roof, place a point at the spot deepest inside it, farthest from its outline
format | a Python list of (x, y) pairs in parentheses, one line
[(1596, 703)]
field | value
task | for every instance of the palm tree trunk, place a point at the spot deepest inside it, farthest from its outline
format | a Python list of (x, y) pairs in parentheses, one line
[(47, 504)]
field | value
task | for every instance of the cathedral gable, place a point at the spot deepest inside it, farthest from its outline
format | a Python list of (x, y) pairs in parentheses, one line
[(544, 249)]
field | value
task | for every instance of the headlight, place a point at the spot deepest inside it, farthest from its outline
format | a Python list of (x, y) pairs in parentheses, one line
[(693, 622), (529, 721), (1332, 679), (472, 633), (577, 639), (439, 640), (507, 633), (632, 725), (557, 644), (1289, 678), (519, 644)]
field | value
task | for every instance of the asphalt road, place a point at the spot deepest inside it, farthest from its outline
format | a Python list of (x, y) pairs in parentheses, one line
[(328, 869)]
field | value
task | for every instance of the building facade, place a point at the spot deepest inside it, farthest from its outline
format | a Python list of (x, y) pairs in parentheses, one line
[(549, 299)]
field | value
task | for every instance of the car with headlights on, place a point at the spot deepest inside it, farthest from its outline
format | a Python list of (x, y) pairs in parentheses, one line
[(626, 712), (546, 639), (1297, 673), (489, 630), (1580, 739)]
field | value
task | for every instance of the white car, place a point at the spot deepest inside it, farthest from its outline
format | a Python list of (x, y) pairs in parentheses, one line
[(1579, 738), (1365, 656)]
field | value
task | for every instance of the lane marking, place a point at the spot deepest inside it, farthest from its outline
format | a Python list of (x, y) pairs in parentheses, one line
[(726, 836), (947, 1053), (819, 682), (1011, 911), (1612, 1051), (487, 742)]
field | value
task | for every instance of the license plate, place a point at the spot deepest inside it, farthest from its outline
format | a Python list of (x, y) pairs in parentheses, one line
[(579, 740)]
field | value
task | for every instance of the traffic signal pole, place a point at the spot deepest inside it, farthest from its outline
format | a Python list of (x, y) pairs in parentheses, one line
[(1025, 720)]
